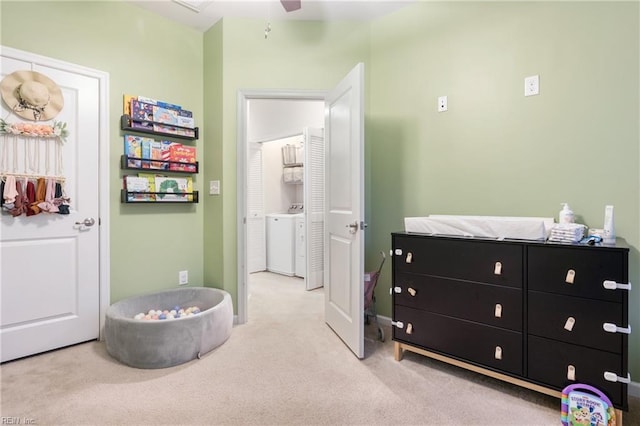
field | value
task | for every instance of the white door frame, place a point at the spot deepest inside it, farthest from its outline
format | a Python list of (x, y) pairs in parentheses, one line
[(243, 97), (103, 162)]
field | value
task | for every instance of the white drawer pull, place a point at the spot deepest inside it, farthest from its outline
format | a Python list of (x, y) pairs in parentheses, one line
[(498, 311), (498, 354), (398, 252), (398, 324), (571, 321), (571, 275), (612, 328), (571, 373), (411, 291), (612, 285), (497, 270), (397, 289), (409, 258), (409, 328), (613, 377)]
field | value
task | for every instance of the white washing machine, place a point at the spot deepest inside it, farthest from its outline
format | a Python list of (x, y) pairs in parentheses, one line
[(281, 243)]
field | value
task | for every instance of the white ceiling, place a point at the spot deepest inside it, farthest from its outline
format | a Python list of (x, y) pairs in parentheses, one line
[(271, 10)]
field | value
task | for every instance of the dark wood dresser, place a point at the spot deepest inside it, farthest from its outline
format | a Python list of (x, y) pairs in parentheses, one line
[(539, 315)]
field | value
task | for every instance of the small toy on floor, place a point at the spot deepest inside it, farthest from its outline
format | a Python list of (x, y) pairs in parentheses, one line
[(585, 405), (176, 312)]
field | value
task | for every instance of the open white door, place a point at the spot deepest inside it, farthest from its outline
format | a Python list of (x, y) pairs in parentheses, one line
[(314, 206), (50, 276), (344, 206)]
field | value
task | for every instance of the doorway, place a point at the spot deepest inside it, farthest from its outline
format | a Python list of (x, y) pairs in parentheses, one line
[(264, 118)]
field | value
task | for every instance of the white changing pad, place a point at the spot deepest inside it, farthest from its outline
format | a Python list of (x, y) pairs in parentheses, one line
[(500, 227)]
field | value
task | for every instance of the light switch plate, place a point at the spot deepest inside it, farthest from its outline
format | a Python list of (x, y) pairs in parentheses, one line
[(214, 187), (442, 103)]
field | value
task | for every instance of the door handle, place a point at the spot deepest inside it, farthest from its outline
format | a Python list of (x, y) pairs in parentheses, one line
[(353, 227), (87, 222)]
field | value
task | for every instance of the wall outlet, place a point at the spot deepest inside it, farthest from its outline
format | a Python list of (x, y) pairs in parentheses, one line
[(532, 85), (183, 277)]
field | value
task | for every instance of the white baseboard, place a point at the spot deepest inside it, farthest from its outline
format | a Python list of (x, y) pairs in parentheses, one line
[(633, 389)]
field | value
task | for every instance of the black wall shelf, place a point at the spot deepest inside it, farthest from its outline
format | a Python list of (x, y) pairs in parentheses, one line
[(124, 165), (124, 197), (126, 124)]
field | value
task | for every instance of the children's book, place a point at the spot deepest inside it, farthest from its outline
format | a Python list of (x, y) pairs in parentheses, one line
[(185, 119), (141, 115), (165, 115), (155, 148), (585, 405), (166, 153), (126, 104), (171, 189), (189, 189), (151, 180), (146, 152), (183, 158), (163, 128), (133, 148), (134, 184)]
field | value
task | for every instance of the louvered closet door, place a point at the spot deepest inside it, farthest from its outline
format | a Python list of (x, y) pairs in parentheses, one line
[(314, 206), (256, 240)]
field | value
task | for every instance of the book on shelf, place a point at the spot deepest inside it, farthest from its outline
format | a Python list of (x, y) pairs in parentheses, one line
[(146, 152), (141, 113), (165, 115), (151, 180), (126, 104), (174, 188), (185, 119), (135, 184), (156, 154), (133, 148), (182, 157), (173, 130)]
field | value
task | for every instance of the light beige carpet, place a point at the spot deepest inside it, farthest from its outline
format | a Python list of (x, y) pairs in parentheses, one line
[(284, 367)]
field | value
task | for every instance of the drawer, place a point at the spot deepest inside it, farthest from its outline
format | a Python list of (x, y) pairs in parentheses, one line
[(549, 361), (461, 299), (462, 339), (491, 262), (549, 267), (576, 320)]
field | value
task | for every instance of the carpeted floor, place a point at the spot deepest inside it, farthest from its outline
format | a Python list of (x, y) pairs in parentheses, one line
[(284, 367)]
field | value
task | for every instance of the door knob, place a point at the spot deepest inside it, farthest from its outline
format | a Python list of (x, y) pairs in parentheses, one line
[(87, 222), (353, 227)]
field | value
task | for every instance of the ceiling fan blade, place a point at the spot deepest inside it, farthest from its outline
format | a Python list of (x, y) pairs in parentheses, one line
[(291, 5)]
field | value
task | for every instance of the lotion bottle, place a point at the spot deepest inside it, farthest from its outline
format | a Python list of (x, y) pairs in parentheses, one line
[(609, 236), (566, 214)]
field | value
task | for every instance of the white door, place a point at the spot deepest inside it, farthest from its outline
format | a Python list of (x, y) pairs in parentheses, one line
[(344, 188), (256, 239), (314, 207), (50, 279)]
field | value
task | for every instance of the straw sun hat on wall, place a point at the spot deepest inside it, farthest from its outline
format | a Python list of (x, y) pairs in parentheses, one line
[(32, 95)]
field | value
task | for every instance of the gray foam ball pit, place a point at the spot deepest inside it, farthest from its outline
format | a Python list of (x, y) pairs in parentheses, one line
[(165, 343)]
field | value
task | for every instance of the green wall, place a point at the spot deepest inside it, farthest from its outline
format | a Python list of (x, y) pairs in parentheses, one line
[(496, 152), (144, 54)]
